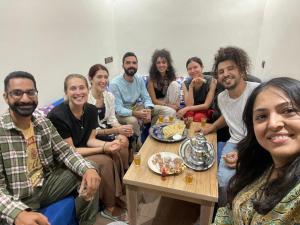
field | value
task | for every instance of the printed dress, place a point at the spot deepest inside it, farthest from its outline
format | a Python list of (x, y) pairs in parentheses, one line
[(286, 212)]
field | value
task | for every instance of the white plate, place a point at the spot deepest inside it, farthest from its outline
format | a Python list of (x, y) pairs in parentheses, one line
[(155, 167)]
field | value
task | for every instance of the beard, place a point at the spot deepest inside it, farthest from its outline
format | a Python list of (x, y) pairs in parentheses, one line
[(130, 71), (23, 109)]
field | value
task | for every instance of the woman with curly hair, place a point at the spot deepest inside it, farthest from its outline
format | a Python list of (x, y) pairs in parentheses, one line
[(266, 186), (198, 91), (162, 85)]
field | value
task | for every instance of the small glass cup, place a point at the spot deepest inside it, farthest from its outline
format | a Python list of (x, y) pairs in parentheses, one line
[(137, 159), (203, 122), (160, 118), (171, 119), (188, 122), (188, 177)]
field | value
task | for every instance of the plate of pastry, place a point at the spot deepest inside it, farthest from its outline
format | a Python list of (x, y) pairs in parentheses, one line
[(166, 162), (169, 132)]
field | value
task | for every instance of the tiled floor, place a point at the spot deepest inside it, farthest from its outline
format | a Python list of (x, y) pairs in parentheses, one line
[(163, 211)]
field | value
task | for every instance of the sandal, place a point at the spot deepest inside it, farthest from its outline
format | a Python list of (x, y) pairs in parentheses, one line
[(123, 217)]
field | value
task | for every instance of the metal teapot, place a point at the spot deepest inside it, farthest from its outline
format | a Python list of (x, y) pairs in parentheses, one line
[(199, 150)]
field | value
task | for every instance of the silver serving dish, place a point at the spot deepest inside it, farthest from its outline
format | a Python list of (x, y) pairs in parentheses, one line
[(156, 132), (198, 160)]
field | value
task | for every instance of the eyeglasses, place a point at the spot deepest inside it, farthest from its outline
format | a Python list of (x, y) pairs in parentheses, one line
[(17, 93)]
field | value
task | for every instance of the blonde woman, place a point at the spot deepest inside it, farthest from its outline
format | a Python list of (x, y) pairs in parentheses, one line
[(76, 121)]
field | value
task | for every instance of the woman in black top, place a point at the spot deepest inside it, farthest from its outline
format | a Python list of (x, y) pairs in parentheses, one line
[(76, 121), (162, 85), (198, 91)]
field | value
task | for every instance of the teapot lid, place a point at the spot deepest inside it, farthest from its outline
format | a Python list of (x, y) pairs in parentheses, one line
[(198, 141)]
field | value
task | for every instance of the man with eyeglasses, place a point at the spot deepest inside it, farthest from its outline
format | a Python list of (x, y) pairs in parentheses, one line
[(37, 167)]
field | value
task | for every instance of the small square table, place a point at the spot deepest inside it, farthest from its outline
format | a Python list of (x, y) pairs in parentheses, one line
[(203, 190)]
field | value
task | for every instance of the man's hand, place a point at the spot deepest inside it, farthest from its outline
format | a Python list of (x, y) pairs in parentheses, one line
[(89, 184), (231, 159), (31, 218), (143, 114), (206, 130), (112, 147), (125, 130)]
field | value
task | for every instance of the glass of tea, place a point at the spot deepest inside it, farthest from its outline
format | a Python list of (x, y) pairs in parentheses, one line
[(160, 118), (137, 159), (188, 177), (203, 122)]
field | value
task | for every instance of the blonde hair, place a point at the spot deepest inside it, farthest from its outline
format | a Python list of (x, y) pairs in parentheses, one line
[(71, 76)]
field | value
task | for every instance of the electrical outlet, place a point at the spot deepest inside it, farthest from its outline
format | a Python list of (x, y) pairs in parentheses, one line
[(108, 59)]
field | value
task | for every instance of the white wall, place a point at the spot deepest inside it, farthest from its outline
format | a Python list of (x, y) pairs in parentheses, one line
[(187, 28), (53, 38), (280, 40)]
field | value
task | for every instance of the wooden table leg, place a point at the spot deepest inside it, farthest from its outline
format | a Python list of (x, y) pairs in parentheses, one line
[(132, 204), (206, 214)]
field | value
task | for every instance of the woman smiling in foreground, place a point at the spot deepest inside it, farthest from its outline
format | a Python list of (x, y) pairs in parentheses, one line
[(266, 187)]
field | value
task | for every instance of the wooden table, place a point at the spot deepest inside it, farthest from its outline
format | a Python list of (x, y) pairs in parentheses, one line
[(203, 190)]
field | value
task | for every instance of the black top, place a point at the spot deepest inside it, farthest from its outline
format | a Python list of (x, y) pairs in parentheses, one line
[(199, 93), (68, 125), (161, 88), (101, 112)]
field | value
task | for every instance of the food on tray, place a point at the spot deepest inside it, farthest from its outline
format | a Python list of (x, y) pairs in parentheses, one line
[(172, 129), (167, 164)]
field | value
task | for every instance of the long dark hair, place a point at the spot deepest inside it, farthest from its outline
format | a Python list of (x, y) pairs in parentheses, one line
[(254, 160), (154, 73)]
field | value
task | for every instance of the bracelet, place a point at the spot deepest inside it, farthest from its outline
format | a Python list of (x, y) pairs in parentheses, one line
[(104, 146)]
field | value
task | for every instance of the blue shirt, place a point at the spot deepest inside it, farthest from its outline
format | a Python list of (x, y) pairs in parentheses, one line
[(127, 93)]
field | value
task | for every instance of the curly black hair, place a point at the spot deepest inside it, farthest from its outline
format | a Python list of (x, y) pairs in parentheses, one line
[(254, 160), (154, 73), (237, 55)]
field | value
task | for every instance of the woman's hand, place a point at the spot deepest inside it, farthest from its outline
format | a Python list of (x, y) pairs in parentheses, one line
[(197, 81), (182, 111), (125, 130), (112, 147)]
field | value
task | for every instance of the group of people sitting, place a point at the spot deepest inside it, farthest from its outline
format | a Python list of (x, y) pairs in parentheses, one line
[(84, 145)]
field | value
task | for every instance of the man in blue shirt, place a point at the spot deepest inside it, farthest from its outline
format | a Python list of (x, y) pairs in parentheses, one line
[(132, 101)]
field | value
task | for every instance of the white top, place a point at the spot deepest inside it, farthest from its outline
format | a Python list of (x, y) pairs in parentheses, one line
[(232, 110), (109, 102)]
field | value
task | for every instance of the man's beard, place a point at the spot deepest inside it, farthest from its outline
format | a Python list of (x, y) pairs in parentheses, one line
[(23, 109), (130, 71)]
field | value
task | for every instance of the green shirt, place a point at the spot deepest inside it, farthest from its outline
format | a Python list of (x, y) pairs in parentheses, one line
[(52, 149), (286, 212)]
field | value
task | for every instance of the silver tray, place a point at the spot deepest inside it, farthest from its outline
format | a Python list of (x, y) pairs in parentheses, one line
[(185, 154), (156, 132)]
